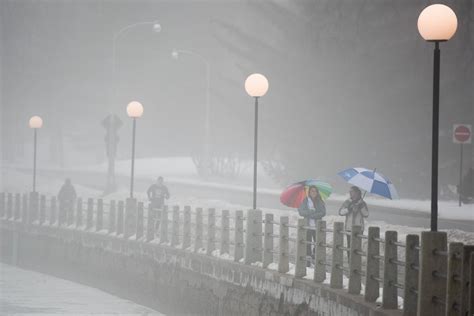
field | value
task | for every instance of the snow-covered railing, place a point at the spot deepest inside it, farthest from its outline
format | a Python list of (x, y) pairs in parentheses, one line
[(430, 277)]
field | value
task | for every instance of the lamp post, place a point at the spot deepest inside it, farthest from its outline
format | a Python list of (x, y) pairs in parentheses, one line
[(437, 23), (134, 110), (35, 123), (207, 133), (156, 28), (256, 86)]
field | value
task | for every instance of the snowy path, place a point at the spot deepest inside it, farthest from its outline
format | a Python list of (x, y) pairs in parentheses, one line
[(24, 292)]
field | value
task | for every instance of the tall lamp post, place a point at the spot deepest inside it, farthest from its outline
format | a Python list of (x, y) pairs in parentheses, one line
[(256, 86), (207, 133), (437, 23), (35, 123), (112, 121), (134, 110)]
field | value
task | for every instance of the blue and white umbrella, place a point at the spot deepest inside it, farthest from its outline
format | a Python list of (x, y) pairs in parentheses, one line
[(370, 181)]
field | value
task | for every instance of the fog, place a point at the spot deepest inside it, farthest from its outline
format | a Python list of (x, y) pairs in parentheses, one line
[(350, 85)]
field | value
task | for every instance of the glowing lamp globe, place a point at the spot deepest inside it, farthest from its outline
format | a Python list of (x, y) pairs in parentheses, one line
[(36, 122), (437, 22), (256, 85), (157, 27), (175, 54), (135, 109)]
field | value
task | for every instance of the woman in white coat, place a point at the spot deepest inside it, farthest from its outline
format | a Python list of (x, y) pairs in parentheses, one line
[(355, 210)]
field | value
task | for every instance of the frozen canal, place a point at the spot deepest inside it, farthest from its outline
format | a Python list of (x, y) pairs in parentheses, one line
[(24, 292)]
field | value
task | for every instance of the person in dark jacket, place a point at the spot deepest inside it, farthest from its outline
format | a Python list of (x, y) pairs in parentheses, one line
[(66, 197), (312, 209), (157, 193)]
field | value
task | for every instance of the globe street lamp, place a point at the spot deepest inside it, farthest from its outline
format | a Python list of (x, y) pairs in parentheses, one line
[(207, 133), (256, 86), (35, 123), (436, 23), (111, 120), (134, 110)]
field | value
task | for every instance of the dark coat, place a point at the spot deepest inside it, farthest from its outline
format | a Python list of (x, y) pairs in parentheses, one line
[(318, 213)]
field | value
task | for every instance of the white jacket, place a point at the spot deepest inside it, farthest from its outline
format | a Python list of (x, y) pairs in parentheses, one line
[(355, 212)]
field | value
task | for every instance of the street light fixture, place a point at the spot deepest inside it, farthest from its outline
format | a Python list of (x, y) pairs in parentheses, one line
[(256, 86), (207, 133), (436, 23), (134, 110), (35, 123)]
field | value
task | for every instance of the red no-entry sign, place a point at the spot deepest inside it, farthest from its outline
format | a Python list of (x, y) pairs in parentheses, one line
[(462, 133)]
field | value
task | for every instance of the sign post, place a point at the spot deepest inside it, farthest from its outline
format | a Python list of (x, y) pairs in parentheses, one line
[(462, 134)]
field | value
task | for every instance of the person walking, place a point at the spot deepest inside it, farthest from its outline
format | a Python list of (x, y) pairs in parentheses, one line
[(157, 193), (66, 197), (312, 209), (355, 210)]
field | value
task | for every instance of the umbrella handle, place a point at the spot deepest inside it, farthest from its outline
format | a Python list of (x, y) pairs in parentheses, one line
[(366, 191)]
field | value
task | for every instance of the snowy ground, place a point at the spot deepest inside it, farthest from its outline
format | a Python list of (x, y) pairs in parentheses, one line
[(30, 293), (182, 170)]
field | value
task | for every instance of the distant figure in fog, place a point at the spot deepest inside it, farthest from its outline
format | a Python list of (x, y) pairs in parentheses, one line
[(355, 210), (66, 197), (312, 208), (157, 193)]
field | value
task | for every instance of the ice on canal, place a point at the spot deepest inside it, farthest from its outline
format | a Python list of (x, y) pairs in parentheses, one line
[(24, 292)]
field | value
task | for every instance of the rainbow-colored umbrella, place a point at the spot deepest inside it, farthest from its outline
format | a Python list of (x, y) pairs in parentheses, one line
[(294, 195)]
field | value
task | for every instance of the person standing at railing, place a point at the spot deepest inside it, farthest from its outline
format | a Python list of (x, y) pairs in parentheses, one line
[(312, 208), (355, 210), (66, 197), (157, 193)]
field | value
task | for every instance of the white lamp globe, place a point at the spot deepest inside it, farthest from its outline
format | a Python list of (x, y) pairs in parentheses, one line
[(175, 54), (36, 122), (157, 27), (135, 109), (437, 22), (256, 85)]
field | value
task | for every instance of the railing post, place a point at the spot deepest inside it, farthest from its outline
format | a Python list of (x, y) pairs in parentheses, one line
[(24, 210), (373, 265), (100, 215), (120, 213), (53, 215), (468, 281), (249, 237), (211, 231), (42, 210), (430, 287), (2, 204), (112, 217), (175, 227), (320, 252), (164, 225), (268, 241), (300, 266), (283, 255), (130, 226), (390, 271), (355, 264), (79, 213), (90, 213), (225, 232), (239, 236), (469, 278), (17, 206), (454, 278), (187, 227), (150, 223), (140, 211), (412, 263), (337, 256), (34, 207), (69, 213), (198, 237)]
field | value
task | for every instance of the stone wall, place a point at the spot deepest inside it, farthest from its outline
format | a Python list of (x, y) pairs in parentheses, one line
[(171, 280)]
